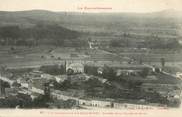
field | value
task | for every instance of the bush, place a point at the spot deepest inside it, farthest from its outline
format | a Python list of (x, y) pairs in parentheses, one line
[(144, 72)]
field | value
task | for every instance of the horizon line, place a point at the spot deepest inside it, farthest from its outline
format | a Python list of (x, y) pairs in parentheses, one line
[(87, 11)]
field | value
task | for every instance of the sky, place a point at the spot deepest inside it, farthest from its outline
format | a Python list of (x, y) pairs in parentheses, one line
[(91, 5)]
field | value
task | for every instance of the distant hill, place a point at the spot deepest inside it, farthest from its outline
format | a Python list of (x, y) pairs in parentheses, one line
[(71, 19), (169, 13), (166, 23)]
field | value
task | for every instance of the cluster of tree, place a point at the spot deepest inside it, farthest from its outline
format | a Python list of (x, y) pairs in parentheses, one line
[(4, 84), (119, 43), (123, 42), (107, 73), (65, 104), (162, 44), (40, 102), (144, 73), (39, 34), (91, 70), (74, 43), (66, 84), (152, 97), (53, 69), (93, 87), (19, 71), (153, 42), (21, 101), (174, 103)]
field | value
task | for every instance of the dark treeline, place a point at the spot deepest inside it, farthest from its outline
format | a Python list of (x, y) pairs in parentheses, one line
[(152, 42), (39, 34), (53, 69), (109, 73), (162, 44)]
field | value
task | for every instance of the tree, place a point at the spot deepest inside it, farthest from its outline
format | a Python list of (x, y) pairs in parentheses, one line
[(40, 102), (53, 69), (47, 92), (140, 61), (10, 33), (109, 73), (162, 62), (91, 70), (144, 72), (66, 84), (115, 43)]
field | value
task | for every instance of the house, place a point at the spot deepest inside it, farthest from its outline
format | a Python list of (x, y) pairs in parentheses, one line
[(179, 75), (156, 69), (22, 91), (126, 72), (75, 67), (85, 102), (60, 78), (35, 73), (180, 42), (93, 44), (46, 76), (70, 103), (100, 70), (11, 91), (100, 103), (38, 85), (34, 95), (23, 82), (36, 90), (61, 95)]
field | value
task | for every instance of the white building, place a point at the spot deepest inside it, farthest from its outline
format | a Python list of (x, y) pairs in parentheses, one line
[(100, 70), (60, 78), (99, 103), (179, 75), (76, 67)]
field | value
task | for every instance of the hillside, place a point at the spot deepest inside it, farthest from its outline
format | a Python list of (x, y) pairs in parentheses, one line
[(165, 22), (40, 34)]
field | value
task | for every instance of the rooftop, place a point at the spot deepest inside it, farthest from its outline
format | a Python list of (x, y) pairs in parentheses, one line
[(39, 83)]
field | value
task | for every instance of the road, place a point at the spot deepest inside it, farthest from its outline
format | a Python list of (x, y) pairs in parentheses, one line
[(6, 80)]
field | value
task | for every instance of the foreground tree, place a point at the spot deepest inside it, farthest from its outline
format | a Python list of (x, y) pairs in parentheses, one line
[(144, 72), (162, 62)]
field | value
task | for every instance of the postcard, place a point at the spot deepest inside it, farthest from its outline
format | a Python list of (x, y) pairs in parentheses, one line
[(90, 58)]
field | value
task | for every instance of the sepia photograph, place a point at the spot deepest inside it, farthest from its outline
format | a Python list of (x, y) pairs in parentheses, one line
[(80, 57)]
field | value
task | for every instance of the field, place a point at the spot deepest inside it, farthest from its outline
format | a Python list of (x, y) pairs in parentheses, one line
[(23, 56)]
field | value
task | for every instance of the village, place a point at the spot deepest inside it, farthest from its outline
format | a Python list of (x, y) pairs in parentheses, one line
[(90, 81)]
